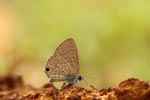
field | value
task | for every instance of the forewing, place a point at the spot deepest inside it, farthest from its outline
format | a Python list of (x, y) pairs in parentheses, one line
[(67, 52)]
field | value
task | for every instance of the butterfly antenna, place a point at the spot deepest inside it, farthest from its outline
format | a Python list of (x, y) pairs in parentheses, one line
[(86, 81)]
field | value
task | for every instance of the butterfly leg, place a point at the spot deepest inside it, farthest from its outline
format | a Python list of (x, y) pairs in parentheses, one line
[(64, 85), (52, 80)]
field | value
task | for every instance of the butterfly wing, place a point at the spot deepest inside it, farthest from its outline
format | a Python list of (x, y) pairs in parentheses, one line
[(64, 61)]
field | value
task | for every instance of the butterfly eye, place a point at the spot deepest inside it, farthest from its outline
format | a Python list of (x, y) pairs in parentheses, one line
[(47, 69), (80, 78)]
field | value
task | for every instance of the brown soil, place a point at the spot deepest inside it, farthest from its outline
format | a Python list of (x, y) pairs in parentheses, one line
[(13, 88)]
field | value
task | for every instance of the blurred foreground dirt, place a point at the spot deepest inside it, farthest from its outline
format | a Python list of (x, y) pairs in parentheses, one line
[(13, 88)]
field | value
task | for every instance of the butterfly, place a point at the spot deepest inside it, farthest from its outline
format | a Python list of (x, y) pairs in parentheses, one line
[(63, 65)]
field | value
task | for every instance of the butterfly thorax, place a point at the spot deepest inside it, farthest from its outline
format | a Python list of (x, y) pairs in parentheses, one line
[(72, 79)]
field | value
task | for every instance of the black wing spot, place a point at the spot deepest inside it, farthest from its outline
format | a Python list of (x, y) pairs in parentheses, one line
[(47, 69)]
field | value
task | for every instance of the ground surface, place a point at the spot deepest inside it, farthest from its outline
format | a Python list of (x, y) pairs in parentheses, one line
[(13, 88)]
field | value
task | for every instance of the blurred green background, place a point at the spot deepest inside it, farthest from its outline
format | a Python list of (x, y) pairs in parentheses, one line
[(112, 36)]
